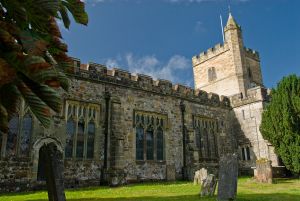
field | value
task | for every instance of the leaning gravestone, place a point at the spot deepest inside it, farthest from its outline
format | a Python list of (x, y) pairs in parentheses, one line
[(200, 176), (228, 176), (208, 186)]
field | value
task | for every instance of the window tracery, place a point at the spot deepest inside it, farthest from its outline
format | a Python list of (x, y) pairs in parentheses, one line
[(206, 130), (82, 123), (150, 131)]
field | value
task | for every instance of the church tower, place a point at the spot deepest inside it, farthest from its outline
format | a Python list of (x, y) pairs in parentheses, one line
[(229, 68)]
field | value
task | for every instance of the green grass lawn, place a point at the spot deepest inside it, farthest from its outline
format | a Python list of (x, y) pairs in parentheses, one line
[(248, 190)]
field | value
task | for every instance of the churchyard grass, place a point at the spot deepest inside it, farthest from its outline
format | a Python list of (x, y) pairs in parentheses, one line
[(248, 190)]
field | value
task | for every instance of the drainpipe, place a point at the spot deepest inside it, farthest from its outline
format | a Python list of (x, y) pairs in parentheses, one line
[(182, 109), (106, 127)]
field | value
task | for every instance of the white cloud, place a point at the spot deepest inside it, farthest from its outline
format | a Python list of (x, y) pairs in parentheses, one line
[(173, 70)]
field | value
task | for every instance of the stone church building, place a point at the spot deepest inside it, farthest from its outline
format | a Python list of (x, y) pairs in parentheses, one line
[(118, 127)]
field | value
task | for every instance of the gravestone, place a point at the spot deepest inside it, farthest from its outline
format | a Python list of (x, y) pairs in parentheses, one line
[(263, 171), (54, 169), (200, 176), (208, 186), (228, 176)]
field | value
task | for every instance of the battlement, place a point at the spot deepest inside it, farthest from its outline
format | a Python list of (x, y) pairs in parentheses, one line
[(251, 53), (100, 73), (253, 95), (210, 53)]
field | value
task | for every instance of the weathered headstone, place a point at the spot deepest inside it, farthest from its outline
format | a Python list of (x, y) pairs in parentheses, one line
[(228, 176), (54, 170), (263, 171), (200, 176), (208, 186)]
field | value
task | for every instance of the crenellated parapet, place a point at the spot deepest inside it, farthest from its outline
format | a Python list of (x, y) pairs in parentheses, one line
[(100, 73), (210, 53), (255, 94), (251, 53)]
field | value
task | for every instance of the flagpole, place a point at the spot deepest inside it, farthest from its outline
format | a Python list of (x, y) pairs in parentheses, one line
[(222, 29)]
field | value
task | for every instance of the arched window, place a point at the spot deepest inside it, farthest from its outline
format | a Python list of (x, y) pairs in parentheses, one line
[(11, 144), (80, 139), (150, 144), (139, 143), (25, 135), (159, 144), (149, 136), (82, 128), (69, 139), (90, 140)]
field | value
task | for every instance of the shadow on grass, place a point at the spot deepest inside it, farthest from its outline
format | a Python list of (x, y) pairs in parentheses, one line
[(244, 197)]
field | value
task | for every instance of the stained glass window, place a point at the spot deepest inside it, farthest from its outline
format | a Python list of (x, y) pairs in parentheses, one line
[(139, 143), (11, 144), (69, 140), (25, 135), (198, 138), (90, 140), (80, 139), (160, 144), (150, 145)]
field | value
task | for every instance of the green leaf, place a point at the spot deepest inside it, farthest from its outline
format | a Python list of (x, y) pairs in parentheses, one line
[(64, 16), (77, 9)]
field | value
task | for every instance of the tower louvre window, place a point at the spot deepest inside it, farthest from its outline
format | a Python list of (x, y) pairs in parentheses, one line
[(212, 74)]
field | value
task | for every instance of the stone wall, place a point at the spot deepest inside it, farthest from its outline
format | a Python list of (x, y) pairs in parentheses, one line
[(129, 95), (248, 112)]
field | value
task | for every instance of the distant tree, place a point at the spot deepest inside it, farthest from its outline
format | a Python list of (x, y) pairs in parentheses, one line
[(32, 55), (281, 121)]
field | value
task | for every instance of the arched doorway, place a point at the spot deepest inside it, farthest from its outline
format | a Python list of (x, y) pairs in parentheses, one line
[(48, 166)]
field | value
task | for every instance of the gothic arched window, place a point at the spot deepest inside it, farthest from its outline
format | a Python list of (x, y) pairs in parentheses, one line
[(11, 143), (149, 136), (139, 143), (159, 144), (90, 140), (150, 144), (82, 123), (25, 135)]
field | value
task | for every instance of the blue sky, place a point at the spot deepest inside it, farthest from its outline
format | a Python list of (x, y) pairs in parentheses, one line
[(159, 37)]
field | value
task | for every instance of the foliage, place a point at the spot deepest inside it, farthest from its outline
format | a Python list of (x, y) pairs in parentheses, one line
[(33, 57), (281, 121), (248, 190)]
